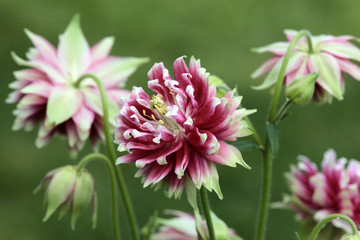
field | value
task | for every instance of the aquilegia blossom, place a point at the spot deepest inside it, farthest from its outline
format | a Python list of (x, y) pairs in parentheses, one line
[(47, 92), (330, 57), (317, 194), (178, 135), (185, 226)]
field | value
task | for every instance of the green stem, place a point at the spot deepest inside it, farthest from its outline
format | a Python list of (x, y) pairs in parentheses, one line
[(323, 222), (111, 150), (206, 208), (285, 62), (115, 216), (268, 155), (265, 192), (282, 111), (255, 133)]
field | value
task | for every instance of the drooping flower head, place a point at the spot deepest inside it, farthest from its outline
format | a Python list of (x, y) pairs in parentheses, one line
[(69, 191), (178, 135), (331, 57), (47, 93), (317, 194), (185, 226)]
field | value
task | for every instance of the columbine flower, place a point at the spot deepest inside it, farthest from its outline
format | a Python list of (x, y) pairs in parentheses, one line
[(46, 92), (317, 194), (185, 226), (330, 58), (178, 135), (68, 191)]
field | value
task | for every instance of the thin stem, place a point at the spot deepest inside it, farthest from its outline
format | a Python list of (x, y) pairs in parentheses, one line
[(282, 110), (115, 216), (323, 222), (265, 193), (285, 62), (206, 208), (255, 133), (268, 155), (111, 150)]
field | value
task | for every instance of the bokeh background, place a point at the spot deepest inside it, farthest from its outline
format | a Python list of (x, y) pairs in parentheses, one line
[(221, 34)]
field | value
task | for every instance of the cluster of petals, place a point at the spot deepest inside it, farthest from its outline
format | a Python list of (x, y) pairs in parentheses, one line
[(47, 91), (317, 194), (177, 136), (184, 226), (331, 56)]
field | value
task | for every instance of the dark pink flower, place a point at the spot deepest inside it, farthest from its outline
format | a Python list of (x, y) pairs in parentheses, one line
[(335, 189), (330, 58), (178, 135), (47, 93)]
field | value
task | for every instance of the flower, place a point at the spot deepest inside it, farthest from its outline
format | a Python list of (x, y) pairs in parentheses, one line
[(330, 58), (47, 92), (68, 191), (351, 236), (317, 194), (185, 226), (178, 135)]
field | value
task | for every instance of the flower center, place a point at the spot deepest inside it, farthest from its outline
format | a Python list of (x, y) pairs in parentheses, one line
[(157, 104)]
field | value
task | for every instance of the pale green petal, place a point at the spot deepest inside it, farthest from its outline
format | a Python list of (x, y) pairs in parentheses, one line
[(63, 103), (191, 193), (73, 50)]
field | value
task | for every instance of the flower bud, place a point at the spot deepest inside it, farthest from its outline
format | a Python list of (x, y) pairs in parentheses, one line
[(68, 191), (301, 90), (351, 236)]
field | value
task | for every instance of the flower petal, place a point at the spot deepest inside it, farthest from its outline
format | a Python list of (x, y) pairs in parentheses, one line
[(329, 70), (74, 51), (46, 49), (278, 48), (63, 103), (102, 49), (342, 50)]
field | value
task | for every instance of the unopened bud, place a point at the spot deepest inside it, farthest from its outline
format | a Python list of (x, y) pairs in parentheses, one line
[(301, 90), (351, 236), (68, 191)]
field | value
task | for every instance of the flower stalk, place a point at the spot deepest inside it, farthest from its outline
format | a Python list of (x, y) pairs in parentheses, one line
[(108, 163), (268, 155), (111, 151), (323, 222), (207, 214)]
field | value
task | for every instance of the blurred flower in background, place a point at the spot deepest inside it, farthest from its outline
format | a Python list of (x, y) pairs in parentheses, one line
[(317, 194), (330, 58), (185, 226), (48, 93), (177, 136)]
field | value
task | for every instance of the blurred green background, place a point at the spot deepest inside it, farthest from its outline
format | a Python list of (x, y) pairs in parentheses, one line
[(221, 34)]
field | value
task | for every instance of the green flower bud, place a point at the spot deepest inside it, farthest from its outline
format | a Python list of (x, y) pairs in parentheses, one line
[(68, 191), (351, 236), (301, 90)]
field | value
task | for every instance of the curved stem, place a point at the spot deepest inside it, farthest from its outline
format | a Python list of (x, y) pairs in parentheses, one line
[(206, 208), (268, 155), (255, 133), (115, 216), (285, 62), (323, 222), (111, 150)]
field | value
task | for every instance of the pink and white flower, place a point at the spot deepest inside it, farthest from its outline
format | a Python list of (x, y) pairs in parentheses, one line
[(177, 136), (331, 57), (46, 92), (317, 194), (185, 226)]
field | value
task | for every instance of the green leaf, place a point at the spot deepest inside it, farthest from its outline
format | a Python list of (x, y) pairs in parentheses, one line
[(244, 145), (273, 133), (297, 236)]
